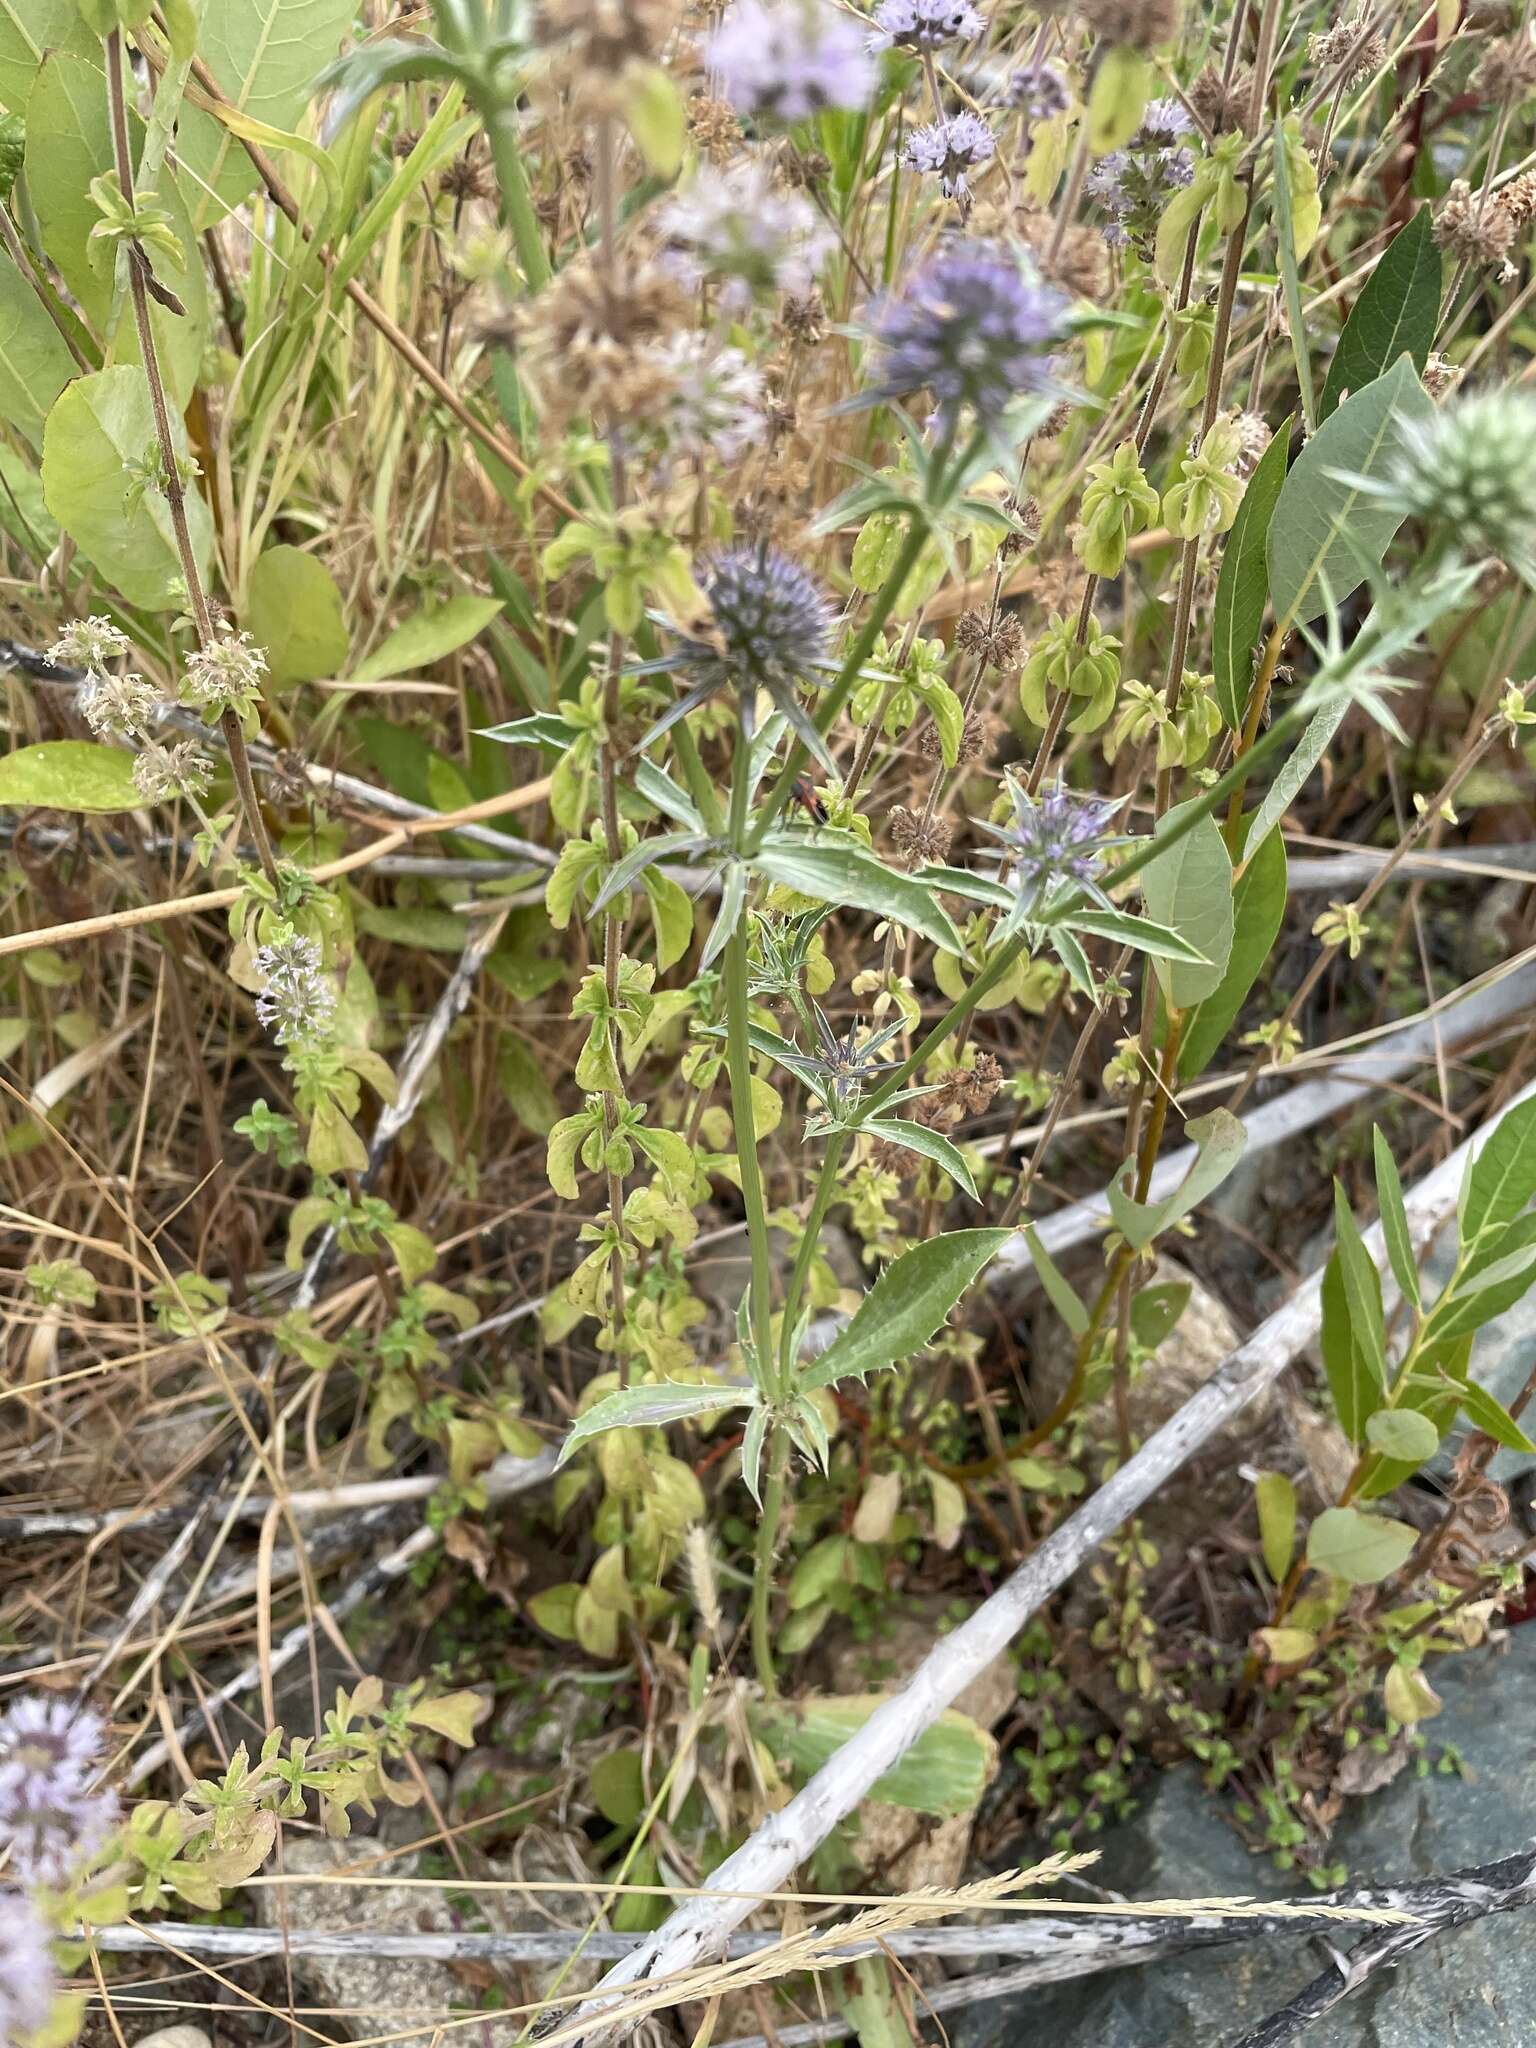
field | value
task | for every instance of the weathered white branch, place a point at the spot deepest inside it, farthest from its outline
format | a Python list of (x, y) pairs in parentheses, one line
[(787, 1837)]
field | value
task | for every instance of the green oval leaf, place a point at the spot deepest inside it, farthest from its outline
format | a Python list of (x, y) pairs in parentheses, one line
[(69, 775), (293, 610), (1189, 888), (1358, 1548)]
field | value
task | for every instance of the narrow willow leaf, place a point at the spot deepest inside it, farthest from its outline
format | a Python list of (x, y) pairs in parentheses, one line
[(1362, 1287), (1275, 1497), (647, 1407), (1394, 1218), (1503, 1176), (1142, 933), (1355, 1389), (931, 1144), (906, 1305), (1189, 888), (1325, 530), (1396, 314), (1360, 1549), (1258, 907), (1064, 1298), (1242, 588), (1493, 1418), (1304, 757)]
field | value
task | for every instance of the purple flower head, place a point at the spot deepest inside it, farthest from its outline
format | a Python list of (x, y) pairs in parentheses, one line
[(49, 1815), (786, 61), (926, 24), (26, 1968), (770, 629), (1039, 93), (1055, 839), (971, 327), (949, 149), (771, 622)]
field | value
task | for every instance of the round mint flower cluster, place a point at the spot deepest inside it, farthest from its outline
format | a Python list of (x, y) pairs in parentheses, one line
[(51, 1818), (791, 60)]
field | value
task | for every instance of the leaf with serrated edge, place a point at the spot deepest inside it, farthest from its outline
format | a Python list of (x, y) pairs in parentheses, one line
[(906, 1305)]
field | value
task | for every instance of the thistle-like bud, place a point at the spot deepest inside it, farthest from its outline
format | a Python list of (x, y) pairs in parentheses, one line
[(89, 644), (120, 706), (1471, 468), (297, 1002), (225, 676), (163, 773)]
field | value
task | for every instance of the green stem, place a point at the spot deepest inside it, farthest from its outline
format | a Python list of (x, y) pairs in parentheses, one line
[(739, 1065), (762, 1562), (516, 204), (821, 1201)]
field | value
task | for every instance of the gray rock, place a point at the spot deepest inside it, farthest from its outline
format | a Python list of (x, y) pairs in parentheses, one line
[(176, 2037), (1475, 1988)]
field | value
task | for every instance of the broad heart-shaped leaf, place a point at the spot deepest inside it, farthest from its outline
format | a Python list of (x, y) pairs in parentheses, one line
[(1360, 1549), (1325, 532), (932, 1145), (264, 56), (1189, 888), (905, 1306), (29, 28), (35, 365), (1258, 905), (1242, 587), (68, 144), (647, 1407), (1219, 1140), (945, 1771), (427, 636), (69, 775), (97, 445), (850, 875), (1502, 1178), (1396, 313), (293, 610)]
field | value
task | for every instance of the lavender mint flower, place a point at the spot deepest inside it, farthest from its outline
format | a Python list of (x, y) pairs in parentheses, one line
[(1055, 840), (770, 630), (949, 150), (26, 1968), (297, 1002), (973, 328), (1038, 92), (737, 230), (50, 1817), (715, 400), (926, 24), (1134, 185), (787, 61)]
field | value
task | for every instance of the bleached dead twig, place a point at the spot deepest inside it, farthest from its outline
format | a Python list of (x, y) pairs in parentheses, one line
[(1465, 1896), (787, 1837)]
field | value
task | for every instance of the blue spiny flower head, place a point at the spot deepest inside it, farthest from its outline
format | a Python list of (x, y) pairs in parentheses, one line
[(769, 628), (926, 24), (1470, 468), (1056, 840), (973, 328), (788, 61)]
